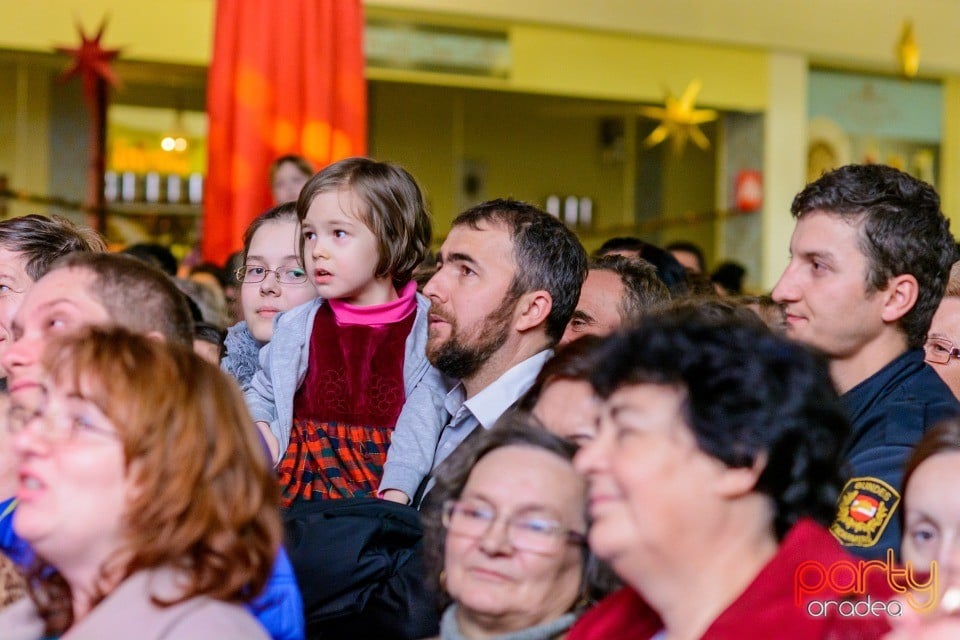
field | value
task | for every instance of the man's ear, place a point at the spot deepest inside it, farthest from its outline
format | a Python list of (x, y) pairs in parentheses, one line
[(899, 297), (532, 310)]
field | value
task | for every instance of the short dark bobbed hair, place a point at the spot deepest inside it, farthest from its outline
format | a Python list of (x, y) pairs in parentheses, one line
[(748, 395)]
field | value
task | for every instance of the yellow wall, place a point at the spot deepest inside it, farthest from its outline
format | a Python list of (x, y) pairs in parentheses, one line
[(785, 127), (847, 33), (630, 50), (950, 154), (178, 31), (526, 151), (413, 126), (858, 33), (601, 65), (546, 59), (24, 129)]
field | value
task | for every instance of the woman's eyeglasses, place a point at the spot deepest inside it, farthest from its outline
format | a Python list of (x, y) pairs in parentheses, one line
[(939, 351), (527, 532), (285, 275), (55, 424)]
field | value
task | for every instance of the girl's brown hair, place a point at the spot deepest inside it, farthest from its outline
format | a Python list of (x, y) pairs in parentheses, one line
[(392, 208), (205, 502), (280, 213)]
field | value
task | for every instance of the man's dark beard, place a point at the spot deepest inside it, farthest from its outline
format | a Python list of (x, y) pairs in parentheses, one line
[(459, 360)]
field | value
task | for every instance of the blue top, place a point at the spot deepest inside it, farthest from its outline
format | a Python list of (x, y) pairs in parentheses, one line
[(10, 543)]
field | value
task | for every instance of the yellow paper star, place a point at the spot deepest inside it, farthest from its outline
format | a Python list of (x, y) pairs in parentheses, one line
[(679, 120), (908, 52)]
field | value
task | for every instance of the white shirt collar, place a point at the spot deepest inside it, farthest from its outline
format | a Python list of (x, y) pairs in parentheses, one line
[(491, 402)]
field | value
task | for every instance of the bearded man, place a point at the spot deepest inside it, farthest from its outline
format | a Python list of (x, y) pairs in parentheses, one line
[(507, 282)]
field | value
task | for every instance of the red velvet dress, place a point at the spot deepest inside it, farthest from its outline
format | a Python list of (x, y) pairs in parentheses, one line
[(346, 409), (766, 609)]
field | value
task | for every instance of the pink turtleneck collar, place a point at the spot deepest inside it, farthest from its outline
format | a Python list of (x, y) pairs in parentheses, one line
[(385, 313)]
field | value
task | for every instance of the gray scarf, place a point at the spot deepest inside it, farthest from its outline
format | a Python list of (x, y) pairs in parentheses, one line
[(241, 360), (450, 630)]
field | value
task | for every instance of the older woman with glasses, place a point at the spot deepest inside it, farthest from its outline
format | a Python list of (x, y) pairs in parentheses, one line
[(143, 492), (942, 347), (507, 547)]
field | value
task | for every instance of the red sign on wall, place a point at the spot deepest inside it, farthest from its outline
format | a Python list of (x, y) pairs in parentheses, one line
[(748, 190)]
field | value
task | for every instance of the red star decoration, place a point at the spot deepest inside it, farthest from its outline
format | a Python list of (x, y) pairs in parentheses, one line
[(91, 61)]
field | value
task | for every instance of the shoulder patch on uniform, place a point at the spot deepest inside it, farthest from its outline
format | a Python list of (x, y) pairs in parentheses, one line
[(864, 510)]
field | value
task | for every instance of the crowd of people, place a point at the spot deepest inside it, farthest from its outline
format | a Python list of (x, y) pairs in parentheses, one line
[(505, 439)]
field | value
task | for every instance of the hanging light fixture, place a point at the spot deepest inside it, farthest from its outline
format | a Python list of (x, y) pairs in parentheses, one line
[(175, 141), (908, 51)]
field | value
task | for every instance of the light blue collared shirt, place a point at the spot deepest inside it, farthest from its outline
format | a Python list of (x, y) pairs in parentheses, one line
[(488, 405)]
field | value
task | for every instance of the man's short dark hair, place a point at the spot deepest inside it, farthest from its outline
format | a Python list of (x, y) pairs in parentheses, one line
[(210, 333), (729, 275), (42, 240), (620, 243), (715, 309), (154, 254), (668, 268), (138, 296), (902, 231), (688, 247), (748, 394), (548, 256), (643, 288)]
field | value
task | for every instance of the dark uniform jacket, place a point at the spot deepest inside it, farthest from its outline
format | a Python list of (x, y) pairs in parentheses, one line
[(889, 412)]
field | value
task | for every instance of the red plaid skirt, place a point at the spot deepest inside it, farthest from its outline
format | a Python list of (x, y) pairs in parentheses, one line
[(327, 460)]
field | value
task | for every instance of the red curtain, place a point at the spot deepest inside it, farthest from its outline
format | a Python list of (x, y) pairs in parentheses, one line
[(286, 77)]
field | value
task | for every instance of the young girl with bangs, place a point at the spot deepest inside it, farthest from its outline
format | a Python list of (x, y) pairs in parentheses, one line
[(339, 370)]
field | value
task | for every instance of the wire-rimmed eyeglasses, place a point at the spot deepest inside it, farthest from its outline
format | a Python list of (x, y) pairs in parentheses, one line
[(55, 421), (527, 532), (252, 273), (939, 350)]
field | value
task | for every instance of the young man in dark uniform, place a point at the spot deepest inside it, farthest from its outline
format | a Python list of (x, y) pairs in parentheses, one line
[(869, 260)]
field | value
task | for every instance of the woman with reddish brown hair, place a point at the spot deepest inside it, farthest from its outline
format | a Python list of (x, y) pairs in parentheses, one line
[(144, 493)]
